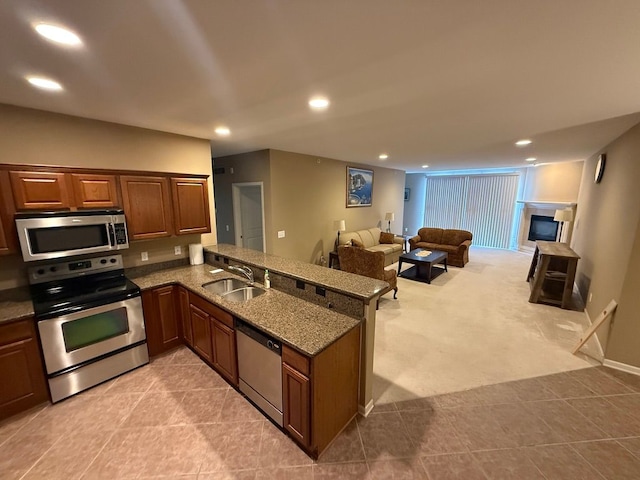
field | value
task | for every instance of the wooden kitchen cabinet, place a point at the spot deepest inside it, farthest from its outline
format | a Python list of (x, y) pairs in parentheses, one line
[(92, 190), (190, 205), (185, 316), (147, 206), (8, 234), (21, 371), (320, 394), (296, 404), (222, 337), (201, 332), (162, 319), (40, 190)]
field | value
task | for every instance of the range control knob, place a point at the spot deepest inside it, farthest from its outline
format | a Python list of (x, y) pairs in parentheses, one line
[(113, 260), (53, 269), (103, 261), (40, 271)]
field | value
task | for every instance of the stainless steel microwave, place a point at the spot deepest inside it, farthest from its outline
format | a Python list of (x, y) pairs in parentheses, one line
[(47, 235)]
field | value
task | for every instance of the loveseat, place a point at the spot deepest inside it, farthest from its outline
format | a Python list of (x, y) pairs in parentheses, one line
[(455, 242), (368, 263), (369, 239)]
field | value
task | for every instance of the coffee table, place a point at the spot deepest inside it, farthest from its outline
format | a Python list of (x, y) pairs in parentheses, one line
[(424, 269)]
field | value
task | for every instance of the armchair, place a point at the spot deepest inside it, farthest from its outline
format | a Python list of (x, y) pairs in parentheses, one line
[(369, 264)]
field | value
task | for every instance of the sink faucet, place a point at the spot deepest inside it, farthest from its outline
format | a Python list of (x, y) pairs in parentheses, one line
[(245, 271)]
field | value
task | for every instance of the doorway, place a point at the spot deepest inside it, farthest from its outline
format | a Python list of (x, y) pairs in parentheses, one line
[(248, 215)]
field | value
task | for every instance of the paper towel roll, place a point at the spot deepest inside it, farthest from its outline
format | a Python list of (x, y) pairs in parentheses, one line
[(196, 254)]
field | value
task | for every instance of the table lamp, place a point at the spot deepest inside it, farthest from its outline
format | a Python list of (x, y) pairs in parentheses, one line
[(389, 217), (565, 215), (340, 226)]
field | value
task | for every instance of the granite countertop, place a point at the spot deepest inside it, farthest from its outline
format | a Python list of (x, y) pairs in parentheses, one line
[(307, 327), (15, 309), (353, 285)]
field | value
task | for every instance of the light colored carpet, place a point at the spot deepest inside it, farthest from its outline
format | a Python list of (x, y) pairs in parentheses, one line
[(470, 327)]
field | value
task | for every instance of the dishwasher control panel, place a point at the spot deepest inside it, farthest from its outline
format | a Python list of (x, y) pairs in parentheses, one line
[(260, 337)]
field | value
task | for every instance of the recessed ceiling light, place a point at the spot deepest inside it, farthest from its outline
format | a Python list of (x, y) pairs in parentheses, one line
[(58, 34), (523, 143), (383, 156), (531, 159), (222, 131), (425, 166), (44, 83), (319, 103)]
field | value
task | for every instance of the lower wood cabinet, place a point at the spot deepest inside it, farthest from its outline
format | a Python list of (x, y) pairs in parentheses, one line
[(201, 332), (224, 350), (320, 394), (185, 316), (162, 319), (22, 379)]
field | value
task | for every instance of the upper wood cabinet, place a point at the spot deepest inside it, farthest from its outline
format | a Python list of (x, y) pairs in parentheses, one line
[(92, 190), (147, 205), (190, 205), (4, 242), (8, 236), (40, 190)]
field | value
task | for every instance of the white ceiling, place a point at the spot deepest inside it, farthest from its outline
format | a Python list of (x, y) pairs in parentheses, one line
[(448, 83)]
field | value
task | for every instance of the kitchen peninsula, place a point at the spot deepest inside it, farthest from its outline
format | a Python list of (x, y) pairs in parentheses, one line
[(316, 313)]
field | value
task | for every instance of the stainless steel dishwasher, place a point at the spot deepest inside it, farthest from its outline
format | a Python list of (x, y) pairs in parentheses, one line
[(260, 369)]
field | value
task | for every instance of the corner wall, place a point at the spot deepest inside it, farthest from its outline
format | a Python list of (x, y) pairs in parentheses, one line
[(604, 235), (36, 137)]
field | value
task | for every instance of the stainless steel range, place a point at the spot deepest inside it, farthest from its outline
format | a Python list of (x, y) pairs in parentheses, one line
[(90, 322)]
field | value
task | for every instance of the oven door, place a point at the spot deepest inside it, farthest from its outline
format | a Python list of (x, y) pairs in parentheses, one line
[(83, 336)]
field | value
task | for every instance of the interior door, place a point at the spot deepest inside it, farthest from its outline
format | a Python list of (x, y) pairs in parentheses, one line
[(248, 213)]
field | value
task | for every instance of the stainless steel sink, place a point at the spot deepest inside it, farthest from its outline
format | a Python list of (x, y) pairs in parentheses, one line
[(243, 294), (220, 287)]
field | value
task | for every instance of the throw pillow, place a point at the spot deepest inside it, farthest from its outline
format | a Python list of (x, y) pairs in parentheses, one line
[(386, 237), (357, 243)]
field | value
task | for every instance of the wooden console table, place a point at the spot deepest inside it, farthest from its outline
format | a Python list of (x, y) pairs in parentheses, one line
[(552, 273)]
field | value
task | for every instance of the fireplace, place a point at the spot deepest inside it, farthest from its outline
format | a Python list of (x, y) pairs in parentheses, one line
[(542, 228)]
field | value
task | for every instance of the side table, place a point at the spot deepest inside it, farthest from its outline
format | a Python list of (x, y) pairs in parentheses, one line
[(333, 258)]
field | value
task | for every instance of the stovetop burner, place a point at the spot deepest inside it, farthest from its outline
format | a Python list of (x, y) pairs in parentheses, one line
[(62, 288)]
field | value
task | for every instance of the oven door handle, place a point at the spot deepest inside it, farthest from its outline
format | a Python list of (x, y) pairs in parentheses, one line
[(112, 235)]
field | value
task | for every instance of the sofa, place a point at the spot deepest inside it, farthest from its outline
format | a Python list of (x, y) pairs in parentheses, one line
[(455, 242), (369, 264), (369, 239)]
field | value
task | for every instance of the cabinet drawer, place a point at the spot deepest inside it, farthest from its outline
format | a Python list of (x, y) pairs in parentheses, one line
[(212, 310), (296, 360), (15, 331)]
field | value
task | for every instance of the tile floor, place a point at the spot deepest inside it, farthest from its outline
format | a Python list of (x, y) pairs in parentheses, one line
[(176, 418)]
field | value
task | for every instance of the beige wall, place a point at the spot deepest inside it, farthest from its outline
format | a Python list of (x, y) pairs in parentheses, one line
[(41, 138), (303, 195), (604, 235), (556, 182), (308, 193)]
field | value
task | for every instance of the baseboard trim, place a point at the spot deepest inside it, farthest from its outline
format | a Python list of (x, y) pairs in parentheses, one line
[(366, 409), (623, 367)]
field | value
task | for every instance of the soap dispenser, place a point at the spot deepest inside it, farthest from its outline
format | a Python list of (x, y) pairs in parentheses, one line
[(267, 280)]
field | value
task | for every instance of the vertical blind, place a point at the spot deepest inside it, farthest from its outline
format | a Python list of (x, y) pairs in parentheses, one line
[(481, 204)]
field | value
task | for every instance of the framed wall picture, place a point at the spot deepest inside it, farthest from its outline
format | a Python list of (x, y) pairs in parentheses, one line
[(359, 187), (407, 194)]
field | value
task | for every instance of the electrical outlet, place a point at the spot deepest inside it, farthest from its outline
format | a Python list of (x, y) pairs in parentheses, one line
[(227, 228), (406, 230), (177, 250), (144, 256), (280, 233), (590, 297), (231, 170)]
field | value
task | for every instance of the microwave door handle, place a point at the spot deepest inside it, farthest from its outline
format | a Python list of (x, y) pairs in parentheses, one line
[(112, 235)]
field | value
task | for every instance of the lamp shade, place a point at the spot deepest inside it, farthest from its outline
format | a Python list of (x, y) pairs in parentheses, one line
[(565, 215), (339, 225), (389, 217)]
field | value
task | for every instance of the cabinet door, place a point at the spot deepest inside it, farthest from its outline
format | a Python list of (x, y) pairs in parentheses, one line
[(296, 389), (8, 236), (201, 332), (187, 333), (190, 205), (4, 242), (94, 191), (161, 319), (40, 190), (147, 206), (224, 350), (21, 371)]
